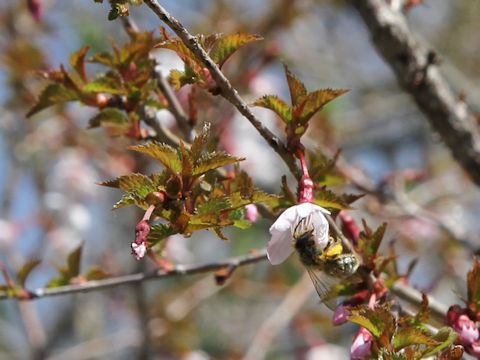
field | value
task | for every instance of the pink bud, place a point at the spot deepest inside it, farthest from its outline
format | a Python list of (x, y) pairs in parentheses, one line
[(362, 345), (36, 9), (340, 315), (251, 212)]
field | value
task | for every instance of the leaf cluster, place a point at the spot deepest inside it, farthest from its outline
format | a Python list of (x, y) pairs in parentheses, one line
[(304, 106), (120, 93), (219, 48), (406, 337), (195, 195)]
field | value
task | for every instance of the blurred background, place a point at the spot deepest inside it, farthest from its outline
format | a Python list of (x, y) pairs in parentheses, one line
[(50, 164)]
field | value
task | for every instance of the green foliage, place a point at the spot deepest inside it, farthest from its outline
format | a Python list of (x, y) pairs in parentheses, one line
[(25, 271), (120, 7), (70, 271), (328, 199), (303, 107), (121, 93), (402, 338), (220, 47), (368, 244), (197, 195)]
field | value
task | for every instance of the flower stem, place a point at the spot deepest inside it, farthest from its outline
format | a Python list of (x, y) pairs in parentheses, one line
[(305, 184)]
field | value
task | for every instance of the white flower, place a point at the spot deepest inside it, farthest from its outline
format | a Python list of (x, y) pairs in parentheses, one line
[(139, 250), (280, 245)]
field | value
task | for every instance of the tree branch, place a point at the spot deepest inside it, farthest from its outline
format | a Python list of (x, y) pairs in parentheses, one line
[(227, 90), (417, 73), (179, 270)]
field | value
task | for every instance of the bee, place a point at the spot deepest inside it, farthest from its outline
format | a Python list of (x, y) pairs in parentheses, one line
[(327, 267)]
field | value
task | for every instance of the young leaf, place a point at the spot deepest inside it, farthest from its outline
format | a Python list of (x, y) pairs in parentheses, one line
[(446, 336), (200, 142), (328, 199), (212, 161), (224, 47), (73, 262), (105, 84), (277, 105), (314, 102), (77, 61), (131, 182), (411, 336), (167, 155), (25, 271), (109, 116), (214, 206), (159, 232), (296, 87), (53, 94)]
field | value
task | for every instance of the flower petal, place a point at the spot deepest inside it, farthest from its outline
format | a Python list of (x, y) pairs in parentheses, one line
[(279, 247)]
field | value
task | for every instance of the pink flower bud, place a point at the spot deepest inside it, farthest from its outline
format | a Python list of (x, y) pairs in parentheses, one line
[(36, 9), (362, 345), (340, 315), (251, 212), (139, 247)]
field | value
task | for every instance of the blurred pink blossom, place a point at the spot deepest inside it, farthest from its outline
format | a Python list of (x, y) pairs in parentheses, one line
[(251, 212), (362, 345)]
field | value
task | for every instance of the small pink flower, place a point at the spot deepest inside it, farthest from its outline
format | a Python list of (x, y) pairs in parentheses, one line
[(251, 212), (139, 246), (340, 315), (362, 345), (467, 329), (280, 245)]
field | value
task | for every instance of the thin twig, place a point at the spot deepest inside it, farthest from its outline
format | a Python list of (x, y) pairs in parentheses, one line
[(179, 270), (417, 73), (227, 90)]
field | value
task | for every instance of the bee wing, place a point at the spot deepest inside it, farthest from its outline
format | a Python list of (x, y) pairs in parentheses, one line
[(324, 285)]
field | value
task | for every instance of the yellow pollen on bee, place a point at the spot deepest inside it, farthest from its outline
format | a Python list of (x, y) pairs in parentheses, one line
[(332, 251)]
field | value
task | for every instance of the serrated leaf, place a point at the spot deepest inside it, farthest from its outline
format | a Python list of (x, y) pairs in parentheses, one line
[(200, 142), (224, 47), (109, 116), (131, 182), (25, 270), (159, 232), (73, 262), (103, 58), (53, 94), (411, 336), (242, 224), (454, 352), (212, 161), (184, 53), (296, 87), (277, 105), (164, 153), (314, 102), (220, 234), (178, 78), (328, 199), (187, 162), (126, 200), (77, 61), (105, 84), (379, 321), (446, 336), (369, 244), (214, 206)]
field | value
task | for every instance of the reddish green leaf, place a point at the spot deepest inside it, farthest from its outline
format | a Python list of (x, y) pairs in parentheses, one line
[(277, 105), (329, 199), (104, 58), (96, 273), (105, 84), (77, 61), (296, 87), (26, 270), (183, 52), (314, 102), (109, 116), (446, 336), (53, 94), (411, 336), (167, 155), (159, 232), (200, 142), (73, 262), (179, 78), (224, 47), (213, 160), (214, 206)]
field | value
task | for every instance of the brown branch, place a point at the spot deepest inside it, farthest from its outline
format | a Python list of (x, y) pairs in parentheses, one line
[(179, 270), (417, 73), (227, 90)]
